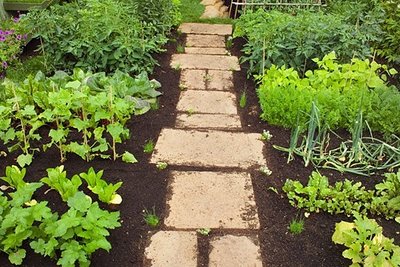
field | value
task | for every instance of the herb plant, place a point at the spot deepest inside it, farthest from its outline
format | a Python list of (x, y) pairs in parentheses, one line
[(151, 218)]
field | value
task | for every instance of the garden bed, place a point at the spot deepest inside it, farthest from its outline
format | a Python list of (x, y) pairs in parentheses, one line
[(145, 187)]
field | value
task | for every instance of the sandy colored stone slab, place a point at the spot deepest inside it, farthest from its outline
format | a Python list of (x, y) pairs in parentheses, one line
[(209, 2), (197, 101), (206, 50), (193, 79), (172, 249), (201, 28), (216, 121), (209, 148), (211, 200), (220, 80), (228, 251), (201, 40), (212, 62)]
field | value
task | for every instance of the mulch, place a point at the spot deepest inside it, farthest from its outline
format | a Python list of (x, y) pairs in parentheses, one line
[(145, 187)]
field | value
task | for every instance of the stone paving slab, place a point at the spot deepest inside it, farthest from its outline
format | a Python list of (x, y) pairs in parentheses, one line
[(206, 50), (171, 248), (212, 62), (209, 148), (201, 28), (193, 79), (228, 251), (220, 80), (197, 101), (197, 40), (215, 121), (211, 200)]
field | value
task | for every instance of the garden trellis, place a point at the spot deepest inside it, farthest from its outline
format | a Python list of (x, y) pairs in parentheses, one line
[(236, 5)]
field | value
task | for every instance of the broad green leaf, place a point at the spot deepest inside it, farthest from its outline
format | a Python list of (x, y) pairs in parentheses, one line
[(17, 257), (128, 157), (80, 202), (24, 160), (339, 236)]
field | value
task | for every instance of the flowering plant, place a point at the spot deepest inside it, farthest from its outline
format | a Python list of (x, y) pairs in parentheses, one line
[(12, 37)]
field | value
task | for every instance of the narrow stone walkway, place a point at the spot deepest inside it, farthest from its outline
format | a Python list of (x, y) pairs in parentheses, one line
[(207, 134)]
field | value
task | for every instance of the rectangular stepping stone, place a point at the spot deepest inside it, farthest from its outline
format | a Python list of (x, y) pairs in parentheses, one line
[(211, 200), (206, 50), (209, 148), (201, 28), (228, 251), (196, 40), (197, 101), (216, 121), (172, 248), (220, 80), (212, 62), (193, 79)]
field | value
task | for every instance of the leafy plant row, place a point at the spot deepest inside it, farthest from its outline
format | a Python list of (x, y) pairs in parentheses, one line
[(82, 113), (104, 35), (346, 197), (70, 238), (285, 40), (340, 91)]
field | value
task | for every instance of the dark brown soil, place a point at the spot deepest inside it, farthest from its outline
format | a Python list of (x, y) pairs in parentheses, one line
[(145, 187)]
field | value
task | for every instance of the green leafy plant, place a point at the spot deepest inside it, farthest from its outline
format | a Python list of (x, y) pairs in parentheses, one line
[(180, 49), (266, 135), (296, 226), (204, 231), (15, 177), (57, 179), (346, 196), (366, 244), (339, 91), (151, 218), (148, 147), (105, 191), (279, 38), (112, 35)]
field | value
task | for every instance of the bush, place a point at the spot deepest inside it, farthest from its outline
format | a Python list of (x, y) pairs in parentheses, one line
[(294, 40), (389, 46), (102, 35), (339, 91)]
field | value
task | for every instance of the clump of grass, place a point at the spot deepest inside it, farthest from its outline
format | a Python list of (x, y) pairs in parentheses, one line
[(151, 218), (296, 226), (180, 49), (148, 147)]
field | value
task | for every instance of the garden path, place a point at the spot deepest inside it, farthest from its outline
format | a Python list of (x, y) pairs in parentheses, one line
[(210, 158)]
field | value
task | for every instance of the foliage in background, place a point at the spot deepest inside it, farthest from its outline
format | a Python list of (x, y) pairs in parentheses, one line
[(346, 197), (103, 35), (389, 46), (70, 238), (13, 35), (94, 105), (276, 38), (365, 243), (340, 91)]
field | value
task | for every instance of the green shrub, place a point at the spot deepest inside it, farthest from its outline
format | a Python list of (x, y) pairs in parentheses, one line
[(293, 41), (102, 35), (339, 91), (389, 46)]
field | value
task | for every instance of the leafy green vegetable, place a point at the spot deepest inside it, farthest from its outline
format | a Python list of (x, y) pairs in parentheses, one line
[(366, 244)]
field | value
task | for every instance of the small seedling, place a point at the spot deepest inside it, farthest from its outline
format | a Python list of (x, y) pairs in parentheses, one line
[(204, 231), (155, 105), (265, 170), (190, 112), (151, 218), (243, 100), (148, 147), (273, 189), (161, 165), (180, 49), (207, 78), (176, 66), (266, 135), (296, 226), (229, 42), (182, 87)]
